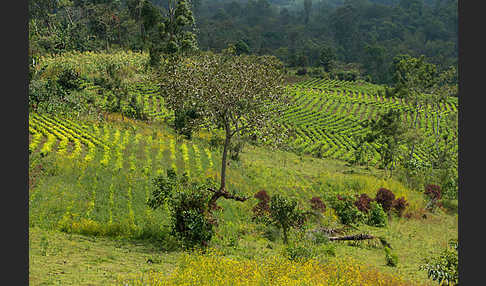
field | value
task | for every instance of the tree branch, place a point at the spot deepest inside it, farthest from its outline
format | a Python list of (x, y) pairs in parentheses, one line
[(223, 193)]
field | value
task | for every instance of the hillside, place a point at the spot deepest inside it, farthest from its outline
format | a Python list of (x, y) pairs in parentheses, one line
[(94, 158), (327, 117), (103, 195)]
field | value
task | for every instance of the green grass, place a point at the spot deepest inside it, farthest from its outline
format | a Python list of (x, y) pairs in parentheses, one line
[(89, 223), (85, 200), (57, 258), (73, 259)]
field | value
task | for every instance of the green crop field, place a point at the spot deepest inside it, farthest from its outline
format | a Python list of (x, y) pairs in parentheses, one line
[(326, 117), (93, 179), (90, 176)]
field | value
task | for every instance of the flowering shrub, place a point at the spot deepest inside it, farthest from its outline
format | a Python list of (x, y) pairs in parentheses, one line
[(433, 192), (262, 196), (262, 209)]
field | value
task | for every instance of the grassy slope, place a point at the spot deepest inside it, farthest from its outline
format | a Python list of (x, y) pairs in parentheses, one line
[(73, 259), (97, 260)]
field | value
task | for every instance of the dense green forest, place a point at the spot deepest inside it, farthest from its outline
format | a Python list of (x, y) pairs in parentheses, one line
[(356, 36)]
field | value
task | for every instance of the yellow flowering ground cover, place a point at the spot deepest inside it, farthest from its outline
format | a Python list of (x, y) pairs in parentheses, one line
[(213, 269)]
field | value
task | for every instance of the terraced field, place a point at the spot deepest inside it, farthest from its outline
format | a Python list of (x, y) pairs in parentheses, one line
[(97, 159), (146, 94), (326, 116), (102, 157), (94, 177)]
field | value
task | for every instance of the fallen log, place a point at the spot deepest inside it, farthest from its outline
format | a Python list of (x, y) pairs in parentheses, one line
[(360, 236)]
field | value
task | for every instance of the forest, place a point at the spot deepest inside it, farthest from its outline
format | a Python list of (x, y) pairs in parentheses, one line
[(359, 36)]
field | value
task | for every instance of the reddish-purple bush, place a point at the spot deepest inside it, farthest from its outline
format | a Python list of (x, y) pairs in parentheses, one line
[(433, 192), (317, 204), (385, 198), (262, 208), (262, 196), (363, 203), (399, 205)]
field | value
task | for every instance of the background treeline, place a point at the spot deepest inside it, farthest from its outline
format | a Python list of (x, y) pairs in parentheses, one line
[(359, 35)]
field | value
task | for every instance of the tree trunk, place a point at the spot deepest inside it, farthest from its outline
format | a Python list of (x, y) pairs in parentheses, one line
[(285, 237), (224, 159)]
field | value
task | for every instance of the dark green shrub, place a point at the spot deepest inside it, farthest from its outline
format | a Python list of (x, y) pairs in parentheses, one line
[(390, 257), (451, 205), (69, 79), (285, 214), (298, 253), (216, 141), (183, 121), (187, 203), (134, 109), (450, 187), (350, 75), (345, 209), (164, 186), (318, 72), (444, 268), (154, 56), (377, 216), (389, 92), (301, 71), (59, 93), (241, 47)]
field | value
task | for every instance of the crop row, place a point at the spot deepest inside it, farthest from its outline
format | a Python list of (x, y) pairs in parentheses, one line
[(327, 123)]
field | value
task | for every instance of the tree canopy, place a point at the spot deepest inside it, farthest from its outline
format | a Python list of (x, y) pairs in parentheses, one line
[(241, 94)]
